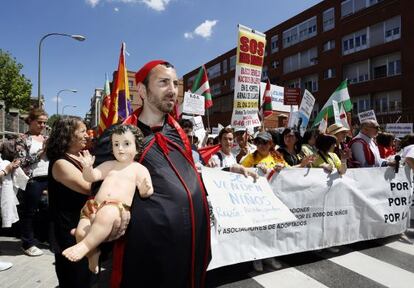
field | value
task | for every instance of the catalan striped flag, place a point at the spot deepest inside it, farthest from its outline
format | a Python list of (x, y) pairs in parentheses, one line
[(120, 107), (106, 104)]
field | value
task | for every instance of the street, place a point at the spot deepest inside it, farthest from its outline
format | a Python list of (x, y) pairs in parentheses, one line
[(387, 262)]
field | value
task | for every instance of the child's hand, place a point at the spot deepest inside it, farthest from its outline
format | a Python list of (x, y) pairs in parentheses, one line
[(86, 159)]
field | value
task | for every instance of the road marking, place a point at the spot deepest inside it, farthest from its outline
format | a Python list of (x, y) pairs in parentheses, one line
[(374, 269), (403, 247), (294, 276)]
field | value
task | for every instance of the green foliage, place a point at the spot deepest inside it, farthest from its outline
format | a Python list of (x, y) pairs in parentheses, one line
[(15, 88), (52, 119)]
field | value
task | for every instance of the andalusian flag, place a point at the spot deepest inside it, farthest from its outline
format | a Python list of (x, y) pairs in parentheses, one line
[(202, 87), (341, 96), (106, 104), (120, 99), (266, 107), (323, 124)]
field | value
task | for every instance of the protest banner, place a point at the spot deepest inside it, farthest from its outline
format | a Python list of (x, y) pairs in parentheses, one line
[(331, 210), (193, 104), (367, 115), (276, 92), (249, 60), (399, 129), (240, 202), (291, 96)]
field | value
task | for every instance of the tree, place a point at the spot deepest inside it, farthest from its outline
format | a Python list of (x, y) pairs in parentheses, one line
[(52, 119), (15, 88)]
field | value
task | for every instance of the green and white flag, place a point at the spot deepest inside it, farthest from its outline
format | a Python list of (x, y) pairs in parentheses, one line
[(341, 96)]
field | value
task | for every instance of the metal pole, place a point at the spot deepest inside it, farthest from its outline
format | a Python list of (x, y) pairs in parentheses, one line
[(57, 97), (76, 37)]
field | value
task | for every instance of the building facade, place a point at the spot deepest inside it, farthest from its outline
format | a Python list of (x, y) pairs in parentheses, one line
[(368, 42)]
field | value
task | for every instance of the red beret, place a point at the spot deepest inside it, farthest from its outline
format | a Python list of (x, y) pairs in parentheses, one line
[(144, 71)]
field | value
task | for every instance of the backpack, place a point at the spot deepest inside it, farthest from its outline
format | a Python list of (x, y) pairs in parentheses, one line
[(369, 155)]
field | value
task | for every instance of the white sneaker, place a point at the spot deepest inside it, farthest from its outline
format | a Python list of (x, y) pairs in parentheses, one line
[(258, 265), (272, 262), (5, 265), (33, 251)]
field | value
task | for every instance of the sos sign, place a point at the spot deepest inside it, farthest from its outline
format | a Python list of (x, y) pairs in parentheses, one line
[(251, 51)]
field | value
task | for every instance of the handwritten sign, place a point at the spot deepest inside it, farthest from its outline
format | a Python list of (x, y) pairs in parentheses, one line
[(367, 115), (239, 202), (193, 104)]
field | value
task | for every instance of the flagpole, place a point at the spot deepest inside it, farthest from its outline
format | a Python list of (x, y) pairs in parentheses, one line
[(208, 120)]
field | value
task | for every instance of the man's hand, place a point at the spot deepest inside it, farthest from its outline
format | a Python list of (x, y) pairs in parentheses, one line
[(245, 171), (211, 163), (120, 225)]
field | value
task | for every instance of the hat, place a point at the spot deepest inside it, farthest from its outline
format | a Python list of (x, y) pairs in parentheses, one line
[(264, 136), (336, 128), (144, 71)]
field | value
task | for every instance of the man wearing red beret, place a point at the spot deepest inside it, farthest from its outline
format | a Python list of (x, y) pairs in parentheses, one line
[(167, 243)]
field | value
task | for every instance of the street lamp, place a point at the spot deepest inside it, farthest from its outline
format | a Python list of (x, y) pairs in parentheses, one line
[(57, 97), (76, 37), (63, 108)]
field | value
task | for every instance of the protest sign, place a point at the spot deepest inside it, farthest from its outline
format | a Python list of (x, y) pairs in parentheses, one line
[(367, 115), (291, 96), (331, 210), (250, 54), (193, 104), (399, 129), (238, 201), (198, 127), (305, 110), (276, 92)]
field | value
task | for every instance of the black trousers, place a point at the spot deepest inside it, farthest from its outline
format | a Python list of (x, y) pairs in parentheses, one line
[(73, 274), (31, 200)]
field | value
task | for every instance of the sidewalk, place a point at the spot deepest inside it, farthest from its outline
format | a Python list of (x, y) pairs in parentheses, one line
[(32, 272)]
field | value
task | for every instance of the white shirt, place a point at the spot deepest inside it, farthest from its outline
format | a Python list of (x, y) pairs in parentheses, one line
[(228, 160), (359, 155), (236, 150), (408, 151)]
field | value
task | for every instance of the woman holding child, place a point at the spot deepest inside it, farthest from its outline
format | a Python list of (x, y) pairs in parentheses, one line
[(68, 192)]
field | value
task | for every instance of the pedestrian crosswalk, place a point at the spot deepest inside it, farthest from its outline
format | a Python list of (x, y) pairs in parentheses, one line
[(385, 262)]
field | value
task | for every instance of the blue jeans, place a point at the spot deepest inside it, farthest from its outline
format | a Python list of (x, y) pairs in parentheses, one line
[(31, 200)]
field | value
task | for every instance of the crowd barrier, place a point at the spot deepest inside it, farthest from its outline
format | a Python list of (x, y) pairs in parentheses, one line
[(330, 210)]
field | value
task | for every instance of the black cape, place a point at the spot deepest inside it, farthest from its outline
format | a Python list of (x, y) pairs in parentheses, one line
[(167, 243)]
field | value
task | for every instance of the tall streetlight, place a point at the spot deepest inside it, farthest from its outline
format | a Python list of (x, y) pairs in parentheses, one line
[(74, 36), (57, 97), (63, 108)]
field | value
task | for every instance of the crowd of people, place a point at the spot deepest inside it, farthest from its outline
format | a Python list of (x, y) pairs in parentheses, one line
[(161, 235)]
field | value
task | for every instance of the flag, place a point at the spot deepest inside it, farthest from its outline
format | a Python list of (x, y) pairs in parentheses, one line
[(208, 151), (323, 124), (106, 104), (202, 87), (266, 107), (120, 100), (340, 95)]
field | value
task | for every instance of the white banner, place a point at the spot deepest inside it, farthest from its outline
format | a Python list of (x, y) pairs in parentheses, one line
[(367, 115), (250, 54), (193, 104), (331, 210), (238, 202), (399, 129)]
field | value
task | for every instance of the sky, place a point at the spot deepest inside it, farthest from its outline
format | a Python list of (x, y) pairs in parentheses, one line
[(187, 33)]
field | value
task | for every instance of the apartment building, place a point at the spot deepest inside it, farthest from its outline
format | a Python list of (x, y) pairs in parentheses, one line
[(368, 42)]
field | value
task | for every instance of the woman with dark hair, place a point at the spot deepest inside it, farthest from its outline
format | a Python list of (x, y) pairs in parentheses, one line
[(290, 147), (385, 142), (30, 152), (308, 143), (327, 158), (68, 192)]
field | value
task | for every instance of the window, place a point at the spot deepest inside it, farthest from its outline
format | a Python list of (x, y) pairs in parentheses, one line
[(215, 89), (301, 32), (232, 83), (328, 19), (264, 73), (329, 73), (392, 29), (190, 81), (349, 7), (355, 42), (310, 83), (213, 71), (273, 43), (387, 102), (329, 45), (130, 83), (357, 72), (224, 67), (386, 65), (275, 64), (361, 103), (300, 60), (295, 83), (232, 62)]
